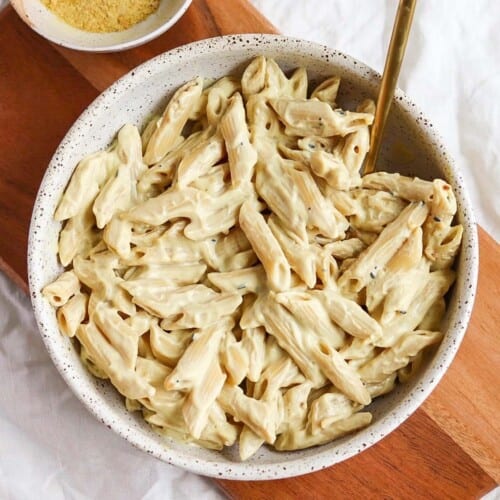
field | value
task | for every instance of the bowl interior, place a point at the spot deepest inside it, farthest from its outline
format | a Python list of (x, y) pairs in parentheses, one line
[(410, 147), (45, 22)]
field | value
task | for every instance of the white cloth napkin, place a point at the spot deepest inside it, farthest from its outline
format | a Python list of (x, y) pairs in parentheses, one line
[(50, 446)]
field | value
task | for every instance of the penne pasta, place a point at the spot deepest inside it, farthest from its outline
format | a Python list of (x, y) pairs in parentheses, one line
[(172, 121), (349, 315), (92, 172), (314, 117), (266, 247), (300, 439), (78, 236), (408, 188), (397, 356), (327, 91), (200, 160), (120, 190), (242, 155), (72, 314), (242, 281), (62, 289), (235, 278), (380, 252)]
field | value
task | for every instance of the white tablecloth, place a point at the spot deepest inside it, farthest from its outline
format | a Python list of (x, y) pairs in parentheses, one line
[(50, 446)]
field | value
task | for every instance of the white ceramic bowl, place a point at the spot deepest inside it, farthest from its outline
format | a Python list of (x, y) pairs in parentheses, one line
[(411, 147), (47, 24)]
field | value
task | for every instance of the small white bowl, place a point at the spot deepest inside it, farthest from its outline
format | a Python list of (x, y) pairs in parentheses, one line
[(411, 146), (46, 23)]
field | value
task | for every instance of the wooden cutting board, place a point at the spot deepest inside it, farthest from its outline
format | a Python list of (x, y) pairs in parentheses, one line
[(448, 449)]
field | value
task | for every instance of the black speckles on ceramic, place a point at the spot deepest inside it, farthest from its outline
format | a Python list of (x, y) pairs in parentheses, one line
[(133, 99), (44, 22)]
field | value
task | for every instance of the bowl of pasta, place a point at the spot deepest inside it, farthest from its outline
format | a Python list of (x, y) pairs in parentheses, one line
[(218, 283)]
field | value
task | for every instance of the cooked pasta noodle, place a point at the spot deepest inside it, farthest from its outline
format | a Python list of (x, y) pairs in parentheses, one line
[(236, 279)]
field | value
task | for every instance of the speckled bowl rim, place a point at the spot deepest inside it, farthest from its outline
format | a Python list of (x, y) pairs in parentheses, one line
[(118, 47), (364, 438)]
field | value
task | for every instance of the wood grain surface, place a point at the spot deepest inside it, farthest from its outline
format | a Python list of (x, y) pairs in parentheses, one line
[(447, 449)]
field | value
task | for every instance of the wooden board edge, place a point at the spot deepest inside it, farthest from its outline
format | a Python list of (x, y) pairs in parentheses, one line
[(14, 276)]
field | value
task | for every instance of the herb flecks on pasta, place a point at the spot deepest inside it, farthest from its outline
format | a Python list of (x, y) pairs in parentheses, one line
[(236, 279)]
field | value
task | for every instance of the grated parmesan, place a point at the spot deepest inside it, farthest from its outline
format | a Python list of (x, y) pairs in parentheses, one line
[(101, 16)]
